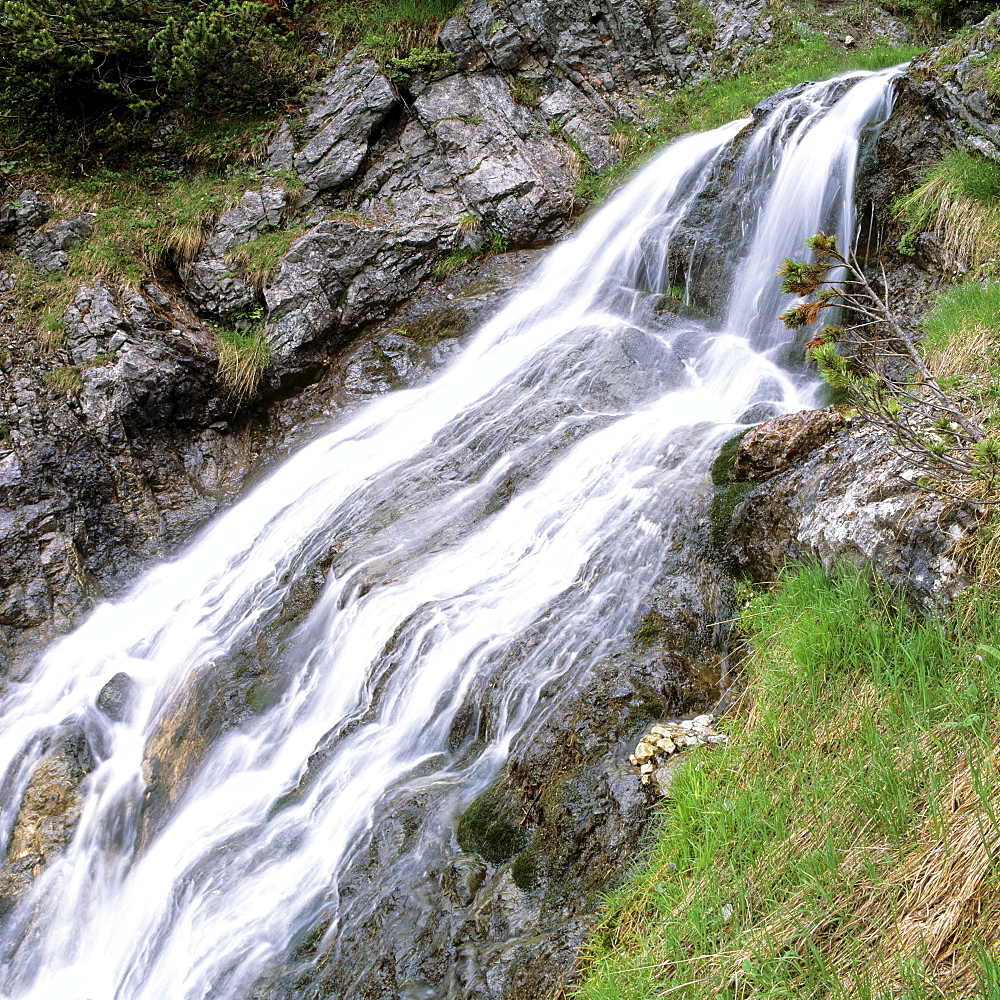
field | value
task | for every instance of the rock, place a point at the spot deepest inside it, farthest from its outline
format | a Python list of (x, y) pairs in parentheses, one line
[(116, 696), (47, 817), (774, 445), (28, 211), (48, 249), (850, 500), (348, 106), (209, 279), (516, 187)]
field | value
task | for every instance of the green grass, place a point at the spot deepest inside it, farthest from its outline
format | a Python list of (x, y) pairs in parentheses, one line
[(243, 357), (961, 310), (960, 201), (840, 845), (257, 260), (716, 101), (390, 29)]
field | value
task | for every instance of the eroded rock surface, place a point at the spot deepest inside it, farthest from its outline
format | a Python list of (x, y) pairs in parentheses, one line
[(854, 500)]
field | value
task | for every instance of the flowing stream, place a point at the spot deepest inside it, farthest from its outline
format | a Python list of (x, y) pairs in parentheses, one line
[(467, 542)]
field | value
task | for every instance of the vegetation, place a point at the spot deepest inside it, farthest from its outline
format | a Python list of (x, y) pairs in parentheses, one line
[(960, 202), (714, 102), (842, 845), (888, 377), (451, 262), (243, 355), (257, 260)]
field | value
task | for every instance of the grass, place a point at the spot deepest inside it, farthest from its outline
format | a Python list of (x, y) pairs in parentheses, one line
[(457, 259), (843, 844), (257, 260), (243, 357), (960, 202), (716, 101), (390, 30)]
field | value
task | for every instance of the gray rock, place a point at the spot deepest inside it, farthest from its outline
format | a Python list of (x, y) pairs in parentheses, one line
[(210, 279), (350, 104), (48, 249), (510, 172), (116, 696), (854, 500), (91, 321)]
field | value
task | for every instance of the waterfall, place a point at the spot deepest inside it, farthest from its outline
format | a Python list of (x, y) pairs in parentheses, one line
[(417, 576)]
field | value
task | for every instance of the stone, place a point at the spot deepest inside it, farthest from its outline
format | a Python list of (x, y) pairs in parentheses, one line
[(350, 103), (851, 500), (116, 696), (47, 249), (774, 445)]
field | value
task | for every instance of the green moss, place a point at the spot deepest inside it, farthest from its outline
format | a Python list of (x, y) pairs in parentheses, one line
[(650, 628), (488, 828), (451, 321), (722, 467), (524, 870), (724, 505)]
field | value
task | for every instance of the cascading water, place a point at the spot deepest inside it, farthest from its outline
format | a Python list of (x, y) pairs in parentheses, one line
[(472, 540)]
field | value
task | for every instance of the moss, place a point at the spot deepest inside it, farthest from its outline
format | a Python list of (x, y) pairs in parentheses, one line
[(722, 467), (650, 628), (451, 321), (488, 829), (524, 870), (724, 505)]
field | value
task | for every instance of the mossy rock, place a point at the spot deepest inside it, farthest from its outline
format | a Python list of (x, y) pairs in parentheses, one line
[(490, 827), (524, 870), (722, 467), (451, 321), (724, 505)]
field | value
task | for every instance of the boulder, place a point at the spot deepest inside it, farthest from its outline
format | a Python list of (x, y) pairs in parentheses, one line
[(774, 445), (854, 499)]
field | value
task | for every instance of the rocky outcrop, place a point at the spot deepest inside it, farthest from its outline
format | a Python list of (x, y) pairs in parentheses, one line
[(774, 445), (854, 500)]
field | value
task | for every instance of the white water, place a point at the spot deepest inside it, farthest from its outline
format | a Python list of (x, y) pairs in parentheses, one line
[(523, 500)]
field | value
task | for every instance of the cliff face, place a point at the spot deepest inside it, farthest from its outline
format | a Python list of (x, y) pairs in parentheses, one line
[(118, 438)]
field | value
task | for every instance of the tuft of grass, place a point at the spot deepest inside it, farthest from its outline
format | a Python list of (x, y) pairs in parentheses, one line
[(243, 358), (387, 29), (526, 91), (457, 259), (843, 843), (960, 201), (258, 259), (67, 378)]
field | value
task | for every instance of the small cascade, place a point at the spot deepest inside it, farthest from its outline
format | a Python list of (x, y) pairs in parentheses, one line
[(403, 590)]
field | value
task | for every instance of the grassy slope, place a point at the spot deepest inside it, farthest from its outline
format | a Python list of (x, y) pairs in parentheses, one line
[(843, 844)]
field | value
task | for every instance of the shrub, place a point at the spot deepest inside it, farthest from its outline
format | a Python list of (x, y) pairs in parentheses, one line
[(88, 59)]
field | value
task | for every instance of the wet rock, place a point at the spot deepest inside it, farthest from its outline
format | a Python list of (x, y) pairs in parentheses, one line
[(853, 500), (774, 445), (116, 696), (47, 817)]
